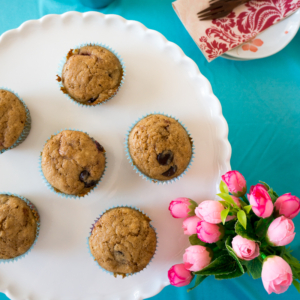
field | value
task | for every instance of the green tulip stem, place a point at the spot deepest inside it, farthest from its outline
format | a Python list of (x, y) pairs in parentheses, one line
[(229, 232), (263, 256), (245, 200)]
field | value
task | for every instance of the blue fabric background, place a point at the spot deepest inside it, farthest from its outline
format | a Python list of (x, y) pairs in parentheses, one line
[(261, 103)]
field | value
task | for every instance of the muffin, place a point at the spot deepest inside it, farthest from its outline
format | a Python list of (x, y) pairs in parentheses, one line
[(72, 162), (122, 241), (160, 147), (91, 74), (14, 120), (19, 226)]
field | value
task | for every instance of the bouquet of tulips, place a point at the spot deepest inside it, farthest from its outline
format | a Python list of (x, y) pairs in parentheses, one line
[(237, 235)]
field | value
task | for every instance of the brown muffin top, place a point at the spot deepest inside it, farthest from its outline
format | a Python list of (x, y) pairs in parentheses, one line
[(12, 119), (160, 147), (122, 241), (72, 162), (91, 75), (17, 227)]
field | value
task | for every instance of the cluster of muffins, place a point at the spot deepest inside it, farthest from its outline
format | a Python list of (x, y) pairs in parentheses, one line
[(72, 163)]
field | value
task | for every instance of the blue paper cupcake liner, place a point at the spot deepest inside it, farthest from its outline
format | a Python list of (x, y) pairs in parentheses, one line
[(64, 60), (27, 126), (136, 168), (50, 187), (36, 216), (93, 225)]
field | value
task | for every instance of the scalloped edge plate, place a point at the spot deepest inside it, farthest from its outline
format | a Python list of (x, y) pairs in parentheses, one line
[(59, 267), (275, 38)]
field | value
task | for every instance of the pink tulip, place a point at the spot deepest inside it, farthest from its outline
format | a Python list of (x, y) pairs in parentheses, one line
[(209, 211), (238, 203), (210, 233), (236, 183), (259, 184), (281, 232), (245, 249), (287, 205), (276, 275), (261, 202), (182, 207), (190, 225), (179, 275), (196, 258)]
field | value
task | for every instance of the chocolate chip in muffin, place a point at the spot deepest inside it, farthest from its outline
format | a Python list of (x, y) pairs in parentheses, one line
[(92, 100), (84, 177), (170, 172), (165, 158), (99, 147)]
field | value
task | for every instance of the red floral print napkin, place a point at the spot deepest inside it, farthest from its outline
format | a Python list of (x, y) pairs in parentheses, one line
[(216, 37)]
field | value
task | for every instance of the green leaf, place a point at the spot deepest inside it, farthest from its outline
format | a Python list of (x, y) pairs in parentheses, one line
[(228, 199), (219, 253), (224, 264), (192, 207), (296, 285), (264, 243), (194, 240), (234, 274), (241, 215), (224, 214), (230, 225), (265, 184), (233, 255), (254, 267), (272, 195), (293, 262), (220, 244), (262, 226), (198, 280), (223, 187), (247, 233), (247, 208)]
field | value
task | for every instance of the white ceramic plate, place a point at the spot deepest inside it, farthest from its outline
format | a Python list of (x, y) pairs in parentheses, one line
[(275, 38), (159, 78)]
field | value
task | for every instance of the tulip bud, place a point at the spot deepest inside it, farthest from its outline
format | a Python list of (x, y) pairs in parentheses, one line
[(209, 211), (245, 249), (276, 274), (261, 202), (287, 205), (179, 275), (210, 233), (196, 258), (236, 183), (190, 225), (281, 232), (182, 207)]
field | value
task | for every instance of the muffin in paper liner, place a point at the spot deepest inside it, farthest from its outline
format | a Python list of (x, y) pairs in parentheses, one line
[(27, 126), (66, 57), (137, 169), (36, 217), (91, 230), (56, 191)]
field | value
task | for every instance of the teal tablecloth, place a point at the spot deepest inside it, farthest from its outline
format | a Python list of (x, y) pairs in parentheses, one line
[(261, 103)]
